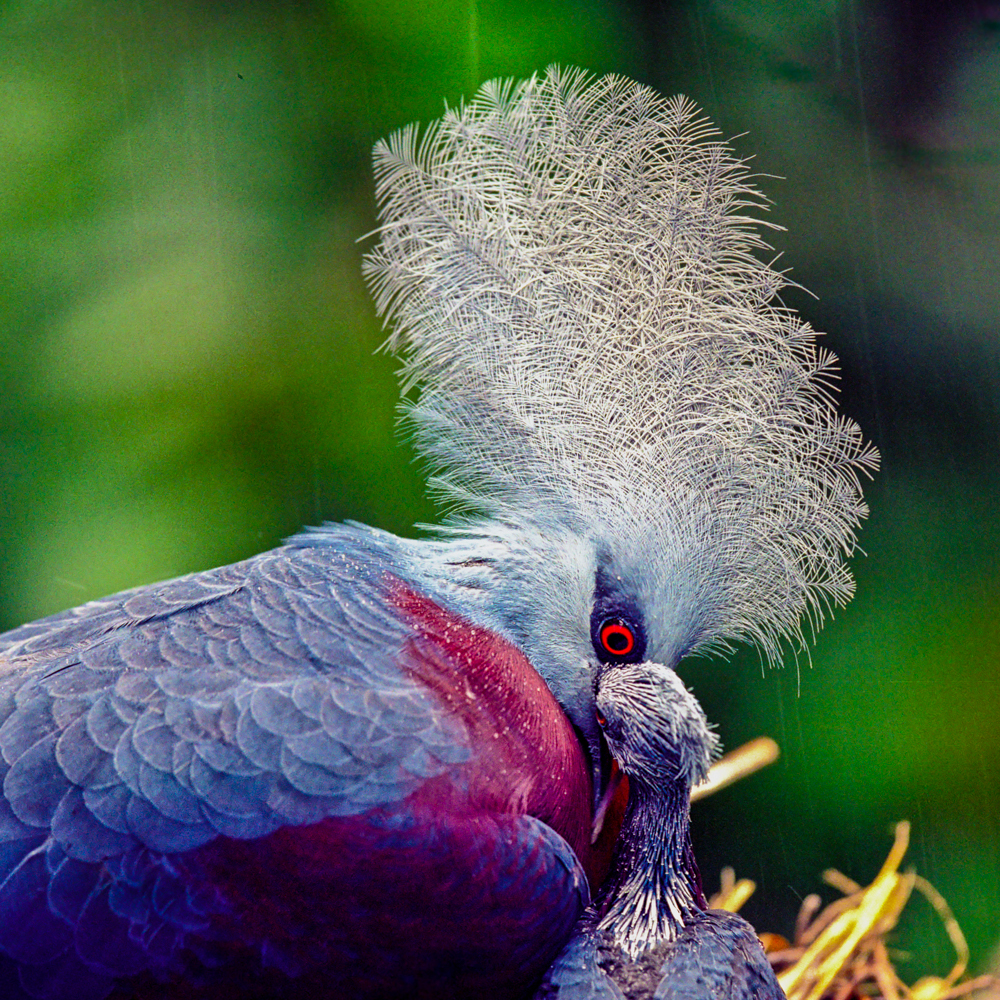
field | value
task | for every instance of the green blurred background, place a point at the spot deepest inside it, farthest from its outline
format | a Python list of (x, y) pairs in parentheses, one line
[(188, 373)]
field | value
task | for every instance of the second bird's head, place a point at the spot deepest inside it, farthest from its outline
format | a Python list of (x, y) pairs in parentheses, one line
[(654, 727)]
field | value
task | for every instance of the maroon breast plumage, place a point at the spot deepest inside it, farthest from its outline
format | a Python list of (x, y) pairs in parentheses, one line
[(526, 758)]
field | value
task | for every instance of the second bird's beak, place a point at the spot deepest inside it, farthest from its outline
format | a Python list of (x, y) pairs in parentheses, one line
[(606, 797)]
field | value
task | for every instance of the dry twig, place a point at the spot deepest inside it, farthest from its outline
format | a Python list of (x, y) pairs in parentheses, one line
[(839, 953)]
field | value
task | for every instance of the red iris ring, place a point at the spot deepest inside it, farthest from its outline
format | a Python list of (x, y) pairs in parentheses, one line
[(617, 638)]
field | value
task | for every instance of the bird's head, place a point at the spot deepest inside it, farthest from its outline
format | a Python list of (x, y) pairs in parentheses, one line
[(629, 425), (654, 727)]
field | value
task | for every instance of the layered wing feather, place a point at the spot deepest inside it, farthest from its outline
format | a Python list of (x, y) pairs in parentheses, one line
[(229, 702)]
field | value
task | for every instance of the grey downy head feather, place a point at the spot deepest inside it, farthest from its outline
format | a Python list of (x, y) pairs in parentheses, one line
[(655, 727), (592, 349)]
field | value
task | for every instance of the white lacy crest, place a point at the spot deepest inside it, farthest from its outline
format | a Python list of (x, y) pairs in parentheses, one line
[(568, 268)]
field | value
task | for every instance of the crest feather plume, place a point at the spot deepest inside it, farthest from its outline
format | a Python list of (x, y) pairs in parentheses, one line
[(568, 268)]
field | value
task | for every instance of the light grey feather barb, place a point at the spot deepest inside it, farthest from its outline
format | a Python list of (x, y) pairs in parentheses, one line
[(569, 268)]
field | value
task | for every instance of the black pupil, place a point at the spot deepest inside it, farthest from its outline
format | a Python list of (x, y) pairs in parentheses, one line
[(616, 640), (616, 628)]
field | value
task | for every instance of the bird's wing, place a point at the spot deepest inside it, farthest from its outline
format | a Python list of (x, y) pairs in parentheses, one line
[(716, 955), (719, 955), (234, 701)]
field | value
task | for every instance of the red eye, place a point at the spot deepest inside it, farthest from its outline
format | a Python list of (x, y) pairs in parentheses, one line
[(617, 638), (601, 721)]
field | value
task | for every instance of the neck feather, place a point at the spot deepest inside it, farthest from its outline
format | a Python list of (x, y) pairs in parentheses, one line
[(654, 886)]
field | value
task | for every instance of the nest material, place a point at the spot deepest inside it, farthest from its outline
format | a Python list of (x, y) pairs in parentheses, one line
[(840, 952)]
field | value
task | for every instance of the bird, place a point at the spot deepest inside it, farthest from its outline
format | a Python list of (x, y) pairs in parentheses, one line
[(649, 932), (362, 765)]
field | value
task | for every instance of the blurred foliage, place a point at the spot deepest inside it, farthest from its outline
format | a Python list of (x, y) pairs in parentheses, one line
[(187, 372)]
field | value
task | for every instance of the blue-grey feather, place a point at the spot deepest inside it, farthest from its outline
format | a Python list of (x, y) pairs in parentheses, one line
[(109, 806), (11, 829), (261, 746), (160, 833), (275, 711), (103, 659), (35, 783), (242, 827), (226, 758), (154, 741), (81, 834), (81, 759), (301, 808), (233, 795), (327, 753), (105, 723), (166, 793), (65, 711), (192, 721), (28, 723), (128, 762), (135, 689)]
